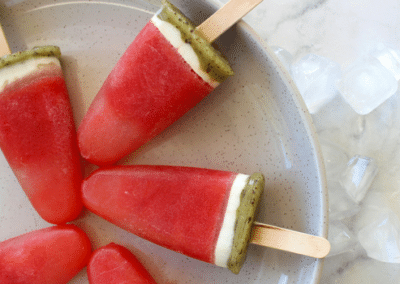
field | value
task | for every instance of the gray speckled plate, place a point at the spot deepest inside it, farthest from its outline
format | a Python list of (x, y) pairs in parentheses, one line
[(255, 121)]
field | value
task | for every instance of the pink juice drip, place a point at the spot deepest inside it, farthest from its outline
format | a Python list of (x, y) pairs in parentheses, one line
[(179, 208), (37, 137), (150, 88)]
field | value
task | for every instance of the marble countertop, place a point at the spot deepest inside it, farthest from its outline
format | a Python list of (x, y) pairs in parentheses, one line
[(341, 30), (345, 31)]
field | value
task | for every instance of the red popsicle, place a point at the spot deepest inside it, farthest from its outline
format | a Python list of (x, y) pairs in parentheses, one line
[(48, 256), (204, 214), (37, 132), (165, 72), (117, 265)]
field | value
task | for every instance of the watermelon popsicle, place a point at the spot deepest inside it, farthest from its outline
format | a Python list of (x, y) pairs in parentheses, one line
[(202, 213), (51, 255), (205, 214), (168, 69), (37, 132), (116, 264)]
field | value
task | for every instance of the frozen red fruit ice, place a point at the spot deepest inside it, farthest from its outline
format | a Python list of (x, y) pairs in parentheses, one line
[(52, 255), (205, 214), (37, 132), (164, 73), (117, 265)]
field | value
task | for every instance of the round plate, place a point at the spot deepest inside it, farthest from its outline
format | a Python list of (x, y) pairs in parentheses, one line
[(255, 121)]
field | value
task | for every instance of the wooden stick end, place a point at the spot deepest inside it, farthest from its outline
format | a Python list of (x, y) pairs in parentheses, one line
[(290, 241)]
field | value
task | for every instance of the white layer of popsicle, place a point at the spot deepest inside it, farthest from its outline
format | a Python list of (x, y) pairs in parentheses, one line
[(173, 35), (225, 238), (24, 68)]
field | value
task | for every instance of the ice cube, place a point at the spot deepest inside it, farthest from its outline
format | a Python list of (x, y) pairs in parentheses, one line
[(341, 238), (336, 114), (341, 206), (316, 78), (375, 135), (387, 113), (338, 123), (381, 237), (366, 84), (384, 197), (374, 202), (381, 133), (390, 58), (335, 159), (284, 56), (339, 137), (358, 176)]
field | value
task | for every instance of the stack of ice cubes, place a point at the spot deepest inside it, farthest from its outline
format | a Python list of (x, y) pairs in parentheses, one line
[(356, 113)]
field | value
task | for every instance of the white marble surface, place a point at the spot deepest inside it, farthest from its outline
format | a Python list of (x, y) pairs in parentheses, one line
[(345, 31), (341, 30)]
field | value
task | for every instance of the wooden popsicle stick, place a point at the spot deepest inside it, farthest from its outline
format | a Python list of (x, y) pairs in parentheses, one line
[(225, 17), (290, 241), (4, 48)]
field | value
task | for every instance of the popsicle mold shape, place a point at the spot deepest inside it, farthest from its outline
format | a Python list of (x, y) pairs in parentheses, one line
[(37, 132), (165, 72), (52, 255), (115, 264), (204, 214)]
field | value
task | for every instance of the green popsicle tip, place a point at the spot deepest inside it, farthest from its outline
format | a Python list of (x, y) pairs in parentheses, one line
[(211, 61), (40, 51), (249, 200)]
